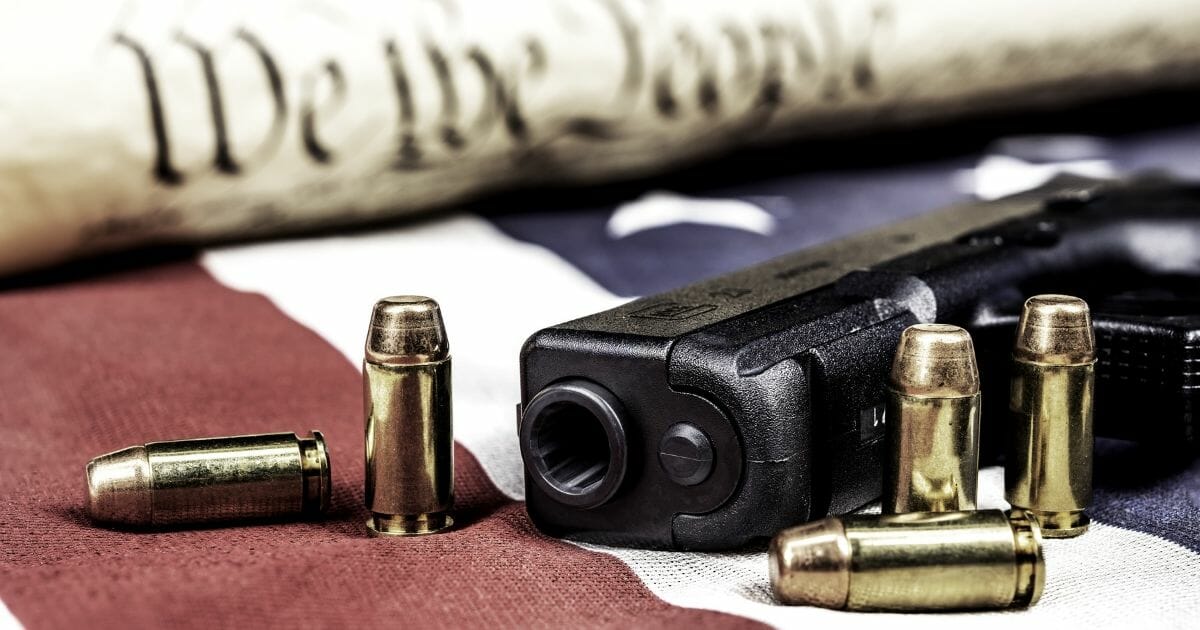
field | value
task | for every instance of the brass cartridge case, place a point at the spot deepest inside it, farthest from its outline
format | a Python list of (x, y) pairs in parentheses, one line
[(918, 561), (409, 431), (932, 422), (210, 480), (1048, 470)]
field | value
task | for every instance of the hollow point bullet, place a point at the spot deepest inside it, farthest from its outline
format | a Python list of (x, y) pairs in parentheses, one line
[(207, 480), (932, 422), (1048, 469), (409, 432), (918, 561)]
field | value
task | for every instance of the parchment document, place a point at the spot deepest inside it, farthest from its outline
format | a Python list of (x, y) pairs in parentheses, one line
[(163, 121)]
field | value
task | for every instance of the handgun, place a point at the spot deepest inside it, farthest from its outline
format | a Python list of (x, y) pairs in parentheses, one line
[(719, 413)]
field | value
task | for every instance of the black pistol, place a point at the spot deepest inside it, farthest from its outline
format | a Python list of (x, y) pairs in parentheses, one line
[(719, 413)]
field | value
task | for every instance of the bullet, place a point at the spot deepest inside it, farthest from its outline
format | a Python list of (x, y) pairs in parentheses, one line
[(410, 440), (919, 561), (183, 482), (1048, 470), (932, 422)]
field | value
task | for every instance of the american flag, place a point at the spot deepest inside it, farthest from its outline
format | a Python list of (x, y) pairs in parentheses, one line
[(268, 336)]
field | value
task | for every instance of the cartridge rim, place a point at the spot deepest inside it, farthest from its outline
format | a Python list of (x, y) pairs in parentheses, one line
[(318, 485), (385, 525), (1030, 563), (1063, 524)]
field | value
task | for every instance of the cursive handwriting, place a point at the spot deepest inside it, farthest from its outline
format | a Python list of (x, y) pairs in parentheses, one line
[(680, 74)]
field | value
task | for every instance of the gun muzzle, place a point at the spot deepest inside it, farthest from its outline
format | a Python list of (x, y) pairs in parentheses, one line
[(932, 422), (410, 440), (911, 562), (1048, 470)]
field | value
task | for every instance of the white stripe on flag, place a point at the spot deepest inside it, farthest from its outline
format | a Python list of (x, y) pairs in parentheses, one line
[(7, 620)]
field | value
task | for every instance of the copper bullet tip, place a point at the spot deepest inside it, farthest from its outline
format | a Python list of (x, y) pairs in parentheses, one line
[(1055, 330), (407, 330), (810, 564), (119, 487), (936, 360)]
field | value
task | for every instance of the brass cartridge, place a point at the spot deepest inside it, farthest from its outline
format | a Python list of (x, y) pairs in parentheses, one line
[(1048, 470), (932, 422), (209, 480), (410, 440), (918, 561)]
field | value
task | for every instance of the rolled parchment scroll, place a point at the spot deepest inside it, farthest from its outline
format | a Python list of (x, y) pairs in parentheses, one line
[(126, 123)]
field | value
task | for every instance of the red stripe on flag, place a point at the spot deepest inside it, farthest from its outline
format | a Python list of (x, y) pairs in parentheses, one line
[(164, 353)]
